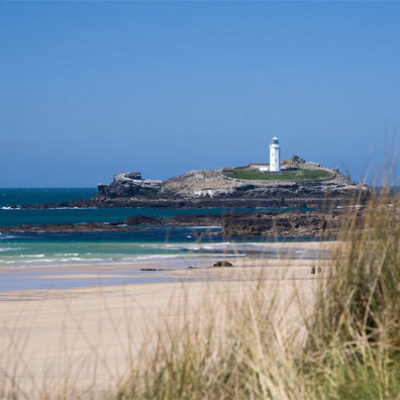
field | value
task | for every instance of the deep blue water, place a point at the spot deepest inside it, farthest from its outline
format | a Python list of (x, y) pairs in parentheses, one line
[(27, 196), (10, 216)]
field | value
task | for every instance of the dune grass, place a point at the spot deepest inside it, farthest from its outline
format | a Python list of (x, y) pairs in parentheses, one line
[(354, 336), (351, 348)]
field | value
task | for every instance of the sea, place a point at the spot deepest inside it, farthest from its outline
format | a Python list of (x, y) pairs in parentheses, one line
[(179, 246)]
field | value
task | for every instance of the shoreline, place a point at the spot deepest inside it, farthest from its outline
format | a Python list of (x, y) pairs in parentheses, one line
[(184, 268), (93, 336), (169, 270)]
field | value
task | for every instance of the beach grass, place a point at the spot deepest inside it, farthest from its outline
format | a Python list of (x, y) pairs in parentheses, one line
[(349, 348)]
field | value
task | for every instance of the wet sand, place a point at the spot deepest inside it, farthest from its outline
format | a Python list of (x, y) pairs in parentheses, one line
[(90, 336)]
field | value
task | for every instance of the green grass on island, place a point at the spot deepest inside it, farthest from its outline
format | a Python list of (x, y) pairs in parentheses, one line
[(290, 175)]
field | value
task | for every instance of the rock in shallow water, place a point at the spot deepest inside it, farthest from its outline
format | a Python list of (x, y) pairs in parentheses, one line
[(222, 264)]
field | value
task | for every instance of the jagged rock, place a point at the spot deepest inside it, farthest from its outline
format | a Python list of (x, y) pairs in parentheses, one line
[(200, 184), (130, 184)]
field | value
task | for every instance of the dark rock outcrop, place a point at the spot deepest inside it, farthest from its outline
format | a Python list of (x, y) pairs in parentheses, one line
[(120, 226), (196, 220), (67, 228), (130, 184), (144, 220), (178, 220), (219, 264), (316, 224)]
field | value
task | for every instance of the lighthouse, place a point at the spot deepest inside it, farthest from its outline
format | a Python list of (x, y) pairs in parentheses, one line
[(275, 155)]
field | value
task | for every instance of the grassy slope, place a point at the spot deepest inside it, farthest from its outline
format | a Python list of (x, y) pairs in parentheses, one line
[(296, 175)]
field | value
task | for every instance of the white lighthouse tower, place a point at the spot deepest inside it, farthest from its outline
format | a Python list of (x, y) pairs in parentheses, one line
[(275, 155)]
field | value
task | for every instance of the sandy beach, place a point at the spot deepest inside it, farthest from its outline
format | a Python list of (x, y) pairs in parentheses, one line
[(89, 337)]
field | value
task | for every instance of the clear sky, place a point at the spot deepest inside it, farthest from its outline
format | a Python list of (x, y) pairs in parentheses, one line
[(89, 89)]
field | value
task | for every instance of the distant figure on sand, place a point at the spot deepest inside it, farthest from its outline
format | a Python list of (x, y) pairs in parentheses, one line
[(313, 270), (319, 269)]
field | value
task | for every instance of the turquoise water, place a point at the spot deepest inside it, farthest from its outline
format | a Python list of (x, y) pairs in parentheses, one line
[(145, 244), (162, 247), (153, 244)]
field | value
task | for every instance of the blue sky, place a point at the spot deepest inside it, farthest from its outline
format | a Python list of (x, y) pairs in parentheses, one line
[(89, 89)]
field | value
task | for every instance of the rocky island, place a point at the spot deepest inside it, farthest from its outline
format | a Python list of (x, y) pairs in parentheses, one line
[(292, 183), (220, 189), (291, 191), (291, 187)]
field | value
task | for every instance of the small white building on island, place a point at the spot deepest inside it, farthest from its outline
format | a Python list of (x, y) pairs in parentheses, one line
[(261, 167)]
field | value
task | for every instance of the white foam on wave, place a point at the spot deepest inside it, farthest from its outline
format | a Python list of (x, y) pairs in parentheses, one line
[(27, 261), (160, 258), (150, 257), (191, 246), (32, 256), (4, 249), (6, 237), (72, 208), (70, 259), (55, 261), (10, 208)]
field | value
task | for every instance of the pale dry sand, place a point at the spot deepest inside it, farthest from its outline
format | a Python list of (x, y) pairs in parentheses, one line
[(90, 337)]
